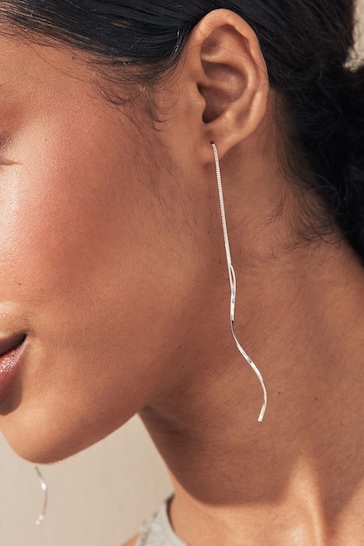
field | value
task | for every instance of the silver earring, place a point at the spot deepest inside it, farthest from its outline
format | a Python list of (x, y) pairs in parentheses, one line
[(232, 279), (44, 488)]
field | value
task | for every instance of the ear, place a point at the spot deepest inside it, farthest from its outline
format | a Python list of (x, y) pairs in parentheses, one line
[(228, 80)]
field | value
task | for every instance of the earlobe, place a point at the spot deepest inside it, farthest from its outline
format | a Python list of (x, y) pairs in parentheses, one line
[(232, 78)]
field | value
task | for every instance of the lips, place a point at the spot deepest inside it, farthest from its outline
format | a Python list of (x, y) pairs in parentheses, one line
[(11, 351), (10, 343)]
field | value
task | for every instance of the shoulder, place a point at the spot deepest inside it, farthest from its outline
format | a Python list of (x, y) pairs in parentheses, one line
[(132, 541)]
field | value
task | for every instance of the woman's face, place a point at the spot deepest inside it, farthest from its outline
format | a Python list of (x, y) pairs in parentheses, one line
[(93, 269)]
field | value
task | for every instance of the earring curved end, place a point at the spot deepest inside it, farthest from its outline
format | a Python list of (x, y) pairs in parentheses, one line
[(44, 488), (264, 406)]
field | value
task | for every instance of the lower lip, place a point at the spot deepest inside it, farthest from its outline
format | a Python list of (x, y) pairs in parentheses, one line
[(9, 367)]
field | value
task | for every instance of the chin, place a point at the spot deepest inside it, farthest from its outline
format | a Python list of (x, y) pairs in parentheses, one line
[(42, 442), (46, 446), (39, 451), (43, 434)]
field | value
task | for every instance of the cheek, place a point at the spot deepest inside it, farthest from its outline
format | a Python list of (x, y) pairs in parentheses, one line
[(80, 256), (55, 211), (41, 249)]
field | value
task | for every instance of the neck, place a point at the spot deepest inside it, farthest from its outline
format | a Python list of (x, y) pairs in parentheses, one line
[(303, 466)]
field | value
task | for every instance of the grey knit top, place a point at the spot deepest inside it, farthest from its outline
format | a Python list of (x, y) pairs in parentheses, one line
[(158, 531)]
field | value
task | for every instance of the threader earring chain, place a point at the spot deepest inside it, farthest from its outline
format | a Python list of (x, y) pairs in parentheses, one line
[(232, 279)]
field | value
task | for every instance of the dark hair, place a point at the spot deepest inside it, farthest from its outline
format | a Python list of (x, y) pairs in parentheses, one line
[(306, 45)]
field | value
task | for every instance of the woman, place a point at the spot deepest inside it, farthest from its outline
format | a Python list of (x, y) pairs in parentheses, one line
[(114, 293)]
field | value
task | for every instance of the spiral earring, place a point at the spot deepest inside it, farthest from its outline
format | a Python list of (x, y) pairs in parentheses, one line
[(232, 279)]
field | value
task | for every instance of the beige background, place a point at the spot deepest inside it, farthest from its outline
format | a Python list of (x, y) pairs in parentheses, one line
[(97, 498)]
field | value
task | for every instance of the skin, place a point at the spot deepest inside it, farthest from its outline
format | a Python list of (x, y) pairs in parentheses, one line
[(85, 238), (112, 261)]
